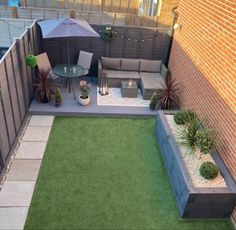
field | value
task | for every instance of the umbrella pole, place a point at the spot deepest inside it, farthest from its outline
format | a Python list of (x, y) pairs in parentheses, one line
[(68, 52)]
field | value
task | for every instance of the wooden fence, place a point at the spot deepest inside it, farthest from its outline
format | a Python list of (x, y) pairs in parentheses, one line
[(128, 42), (100, 18), (119, 6), (16, 90)]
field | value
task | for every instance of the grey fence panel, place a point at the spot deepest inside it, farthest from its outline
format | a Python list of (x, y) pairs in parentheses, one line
[(5, 88), (4, 136), (17, 92), (147, 42), (131, 38), (114, 49), (13, 92), (128, 42), (24, 71), (19, 88)]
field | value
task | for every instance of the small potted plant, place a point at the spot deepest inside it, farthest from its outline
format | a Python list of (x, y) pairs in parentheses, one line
[(153, 102), (58, 99), (84, 98)]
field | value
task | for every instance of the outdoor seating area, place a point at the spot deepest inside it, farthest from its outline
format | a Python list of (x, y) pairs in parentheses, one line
[(111, 116)]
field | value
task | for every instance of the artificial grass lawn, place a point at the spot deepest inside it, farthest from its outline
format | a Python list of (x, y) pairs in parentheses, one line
[(106, 173)]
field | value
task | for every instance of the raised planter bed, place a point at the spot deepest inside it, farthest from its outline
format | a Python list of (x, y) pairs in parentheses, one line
[(193, 202)]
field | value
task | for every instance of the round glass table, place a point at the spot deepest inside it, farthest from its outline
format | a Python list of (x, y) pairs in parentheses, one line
[(70, 72)]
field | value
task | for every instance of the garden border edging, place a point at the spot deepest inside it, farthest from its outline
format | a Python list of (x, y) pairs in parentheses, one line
[(193, 202)]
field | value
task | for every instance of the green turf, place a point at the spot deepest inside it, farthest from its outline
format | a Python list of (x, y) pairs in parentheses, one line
[(106, 173)]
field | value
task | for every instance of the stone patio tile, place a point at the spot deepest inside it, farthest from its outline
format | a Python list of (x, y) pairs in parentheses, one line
[(41, 120), (31, 150), (16, 193), (36, 133), (13, 218), (24, 170)]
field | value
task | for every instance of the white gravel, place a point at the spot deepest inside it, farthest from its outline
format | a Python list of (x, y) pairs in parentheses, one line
[(193, 161)]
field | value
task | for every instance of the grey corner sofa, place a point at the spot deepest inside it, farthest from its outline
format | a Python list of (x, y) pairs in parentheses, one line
[(149, 74)]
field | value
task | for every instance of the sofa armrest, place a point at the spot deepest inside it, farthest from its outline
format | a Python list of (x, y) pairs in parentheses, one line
[(164, 71), (99, 70)]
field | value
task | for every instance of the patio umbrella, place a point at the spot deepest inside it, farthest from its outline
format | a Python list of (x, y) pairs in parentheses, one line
[(66, 27)]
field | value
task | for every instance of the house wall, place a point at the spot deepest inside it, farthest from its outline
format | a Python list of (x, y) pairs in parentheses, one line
[(203, 58)]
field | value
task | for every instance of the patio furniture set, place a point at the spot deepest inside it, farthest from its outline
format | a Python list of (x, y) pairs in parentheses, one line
[(131, 74)]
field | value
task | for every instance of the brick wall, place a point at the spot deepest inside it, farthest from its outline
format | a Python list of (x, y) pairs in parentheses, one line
[(203, 59)]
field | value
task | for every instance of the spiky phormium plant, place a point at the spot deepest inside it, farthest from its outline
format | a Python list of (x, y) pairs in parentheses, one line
[(167, 95)]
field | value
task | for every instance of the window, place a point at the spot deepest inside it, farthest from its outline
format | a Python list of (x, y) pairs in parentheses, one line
[(149, 7)]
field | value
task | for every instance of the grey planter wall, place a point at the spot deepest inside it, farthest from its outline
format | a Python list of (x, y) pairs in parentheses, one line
[(193, 202)]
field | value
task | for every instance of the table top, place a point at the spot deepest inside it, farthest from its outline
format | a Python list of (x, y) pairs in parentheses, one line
[(69, 71), (129, 84)]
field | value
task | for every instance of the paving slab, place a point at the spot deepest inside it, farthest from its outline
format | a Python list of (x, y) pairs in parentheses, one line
[(41, 120), (16, 193), (36, 133), (24, 170), (31, 150), (13, 218)]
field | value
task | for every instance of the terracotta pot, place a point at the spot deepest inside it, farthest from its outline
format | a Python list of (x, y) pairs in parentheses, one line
[(83, 101)]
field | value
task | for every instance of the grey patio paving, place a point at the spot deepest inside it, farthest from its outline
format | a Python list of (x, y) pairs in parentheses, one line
[(70, 106), (41, 121), (16, 193), (36, 133), (13, 218), (17, 190), (31, 150), (24, 170)]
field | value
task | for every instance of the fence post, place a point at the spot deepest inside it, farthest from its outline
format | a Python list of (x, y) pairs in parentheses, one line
[(63, 4), (73, 14), (14, 12), (23, 3)]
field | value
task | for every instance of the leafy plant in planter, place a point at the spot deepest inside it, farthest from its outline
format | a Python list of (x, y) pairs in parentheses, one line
[(58, 99), (43, 89), (205, 141), (187, 136), (209, 170), (153, 102), (31, 61), (193, 134), (184, 116), (167, 95)]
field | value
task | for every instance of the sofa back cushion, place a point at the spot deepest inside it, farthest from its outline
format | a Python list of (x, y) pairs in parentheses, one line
[(110, 63), (130, 64), (153, 66)]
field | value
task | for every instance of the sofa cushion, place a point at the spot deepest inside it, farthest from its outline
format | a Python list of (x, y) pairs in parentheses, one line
[(121, 74), (152, 80), (150, 65), (110, 63), (130, 64)]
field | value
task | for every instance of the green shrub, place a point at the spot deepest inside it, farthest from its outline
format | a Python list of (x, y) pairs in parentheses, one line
[(58, 99), (184, 116), (31, 61), (153, 102), (187, 136), (205, 141), (208, 170)]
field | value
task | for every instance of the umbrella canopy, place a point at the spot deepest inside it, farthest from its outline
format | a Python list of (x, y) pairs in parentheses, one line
[(66, 27)]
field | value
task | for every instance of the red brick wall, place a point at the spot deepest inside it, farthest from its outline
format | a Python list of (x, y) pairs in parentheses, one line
[(203, 59)]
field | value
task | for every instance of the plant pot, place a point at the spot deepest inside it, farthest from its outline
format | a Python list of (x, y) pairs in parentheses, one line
[(84, 101), (193, 202), (58, 104)]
